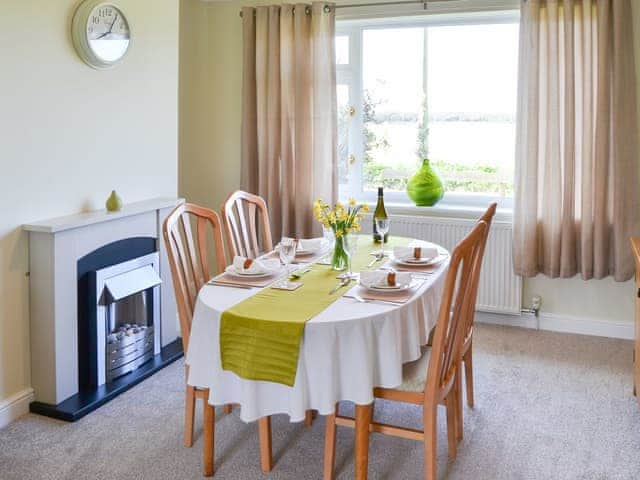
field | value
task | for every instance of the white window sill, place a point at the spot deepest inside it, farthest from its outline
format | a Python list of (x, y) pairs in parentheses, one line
[(445, 211)]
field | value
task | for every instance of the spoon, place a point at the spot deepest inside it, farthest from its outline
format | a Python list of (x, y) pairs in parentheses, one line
[(378, 256), (296, 275), (343, 283)]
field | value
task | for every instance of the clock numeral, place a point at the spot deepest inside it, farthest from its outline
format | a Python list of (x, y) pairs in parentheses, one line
[(90, 29), (96, 20)]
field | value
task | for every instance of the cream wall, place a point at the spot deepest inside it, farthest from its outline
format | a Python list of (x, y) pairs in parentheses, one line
[(210, 100), (70, 134), (210, 153)]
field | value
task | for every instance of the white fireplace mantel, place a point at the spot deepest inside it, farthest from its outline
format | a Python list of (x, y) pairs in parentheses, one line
[(55, 246), (60, 224)]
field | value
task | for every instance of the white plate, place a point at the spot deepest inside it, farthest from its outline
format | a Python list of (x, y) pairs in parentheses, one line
[(381, 288), (232, 271), (421, 263)]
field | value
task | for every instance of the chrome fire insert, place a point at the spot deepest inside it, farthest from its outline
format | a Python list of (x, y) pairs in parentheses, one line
[(127, 317)]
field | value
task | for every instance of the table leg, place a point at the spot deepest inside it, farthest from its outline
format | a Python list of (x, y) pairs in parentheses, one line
[(361, 460), (264, 430)]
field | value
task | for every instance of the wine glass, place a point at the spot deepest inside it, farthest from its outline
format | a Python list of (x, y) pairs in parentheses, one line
[(329, 237), (287, 252), (382, 225)]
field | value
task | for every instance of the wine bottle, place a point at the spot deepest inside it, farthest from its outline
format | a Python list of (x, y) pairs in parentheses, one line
[(379, 212)]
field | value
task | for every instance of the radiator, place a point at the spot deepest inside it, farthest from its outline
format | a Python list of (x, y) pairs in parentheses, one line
[(500, 290)]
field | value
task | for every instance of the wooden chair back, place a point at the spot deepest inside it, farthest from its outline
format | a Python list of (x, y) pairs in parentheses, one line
[(487, 218), (185, 236), (243, 215), (454, 308)]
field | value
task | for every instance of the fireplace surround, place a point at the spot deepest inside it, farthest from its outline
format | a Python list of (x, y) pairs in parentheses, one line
[(69, 257)]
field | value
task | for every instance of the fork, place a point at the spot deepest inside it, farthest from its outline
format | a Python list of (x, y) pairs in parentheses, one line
[(362, 300)]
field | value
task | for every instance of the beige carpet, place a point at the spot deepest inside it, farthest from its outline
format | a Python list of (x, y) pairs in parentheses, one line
[(549, 406)]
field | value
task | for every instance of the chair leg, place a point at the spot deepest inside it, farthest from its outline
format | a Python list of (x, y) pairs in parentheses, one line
[(452, 424), (264, 429), (189, 414), (330, 445), (458, 403), (308, 418), (468, 374), (228, 408), (363, 420), (209, 438), (430, 422)]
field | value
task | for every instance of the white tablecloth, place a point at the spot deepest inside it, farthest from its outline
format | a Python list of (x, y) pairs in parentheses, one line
[(347, 350)]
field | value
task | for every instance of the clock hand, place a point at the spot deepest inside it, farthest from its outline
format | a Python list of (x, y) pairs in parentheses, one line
[(110, 28), (114, 22)]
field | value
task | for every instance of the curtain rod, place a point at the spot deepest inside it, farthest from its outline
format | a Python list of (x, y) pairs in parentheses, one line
[(327, 8)]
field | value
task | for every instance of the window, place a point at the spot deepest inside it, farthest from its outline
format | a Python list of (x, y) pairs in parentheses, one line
[(432, 88)]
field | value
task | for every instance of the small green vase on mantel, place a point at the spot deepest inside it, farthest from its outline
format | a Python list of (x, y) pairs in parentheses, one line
[(114, 202), (425, 187)]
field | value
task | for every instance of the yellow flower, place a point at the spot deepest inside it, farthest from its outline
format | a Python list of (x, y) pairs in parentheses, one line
[(352, 202), (339, 233), (365, 207)]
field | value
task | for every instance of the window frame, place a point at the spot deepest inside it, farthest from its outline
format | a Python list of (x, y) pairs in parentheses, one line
[(351, 74)]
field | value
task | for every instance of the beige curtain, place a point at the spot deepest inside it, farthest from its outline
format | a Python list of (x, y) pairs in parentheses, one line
[(289, 111), (577, 180)]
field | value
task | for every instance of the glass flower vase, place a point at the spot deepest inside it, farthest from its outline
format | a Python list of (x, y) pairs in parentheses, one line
[(340, 257)]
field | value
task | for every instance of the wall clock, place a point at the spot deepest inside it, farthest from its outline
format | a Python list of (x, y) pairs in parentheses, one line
[(100, 33)]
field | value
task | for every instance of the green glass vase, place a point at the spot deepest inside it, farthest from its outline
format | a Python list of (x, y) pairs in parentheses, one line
[(114, 202), (425, 187)]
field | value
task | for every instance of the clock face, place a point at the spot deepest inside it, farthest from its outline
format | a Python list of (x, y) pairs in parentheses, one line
[(108, 33)]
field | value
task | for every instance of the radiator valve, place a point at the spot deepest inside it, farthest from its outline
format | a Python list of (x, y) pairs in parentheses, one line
[(536, 302)]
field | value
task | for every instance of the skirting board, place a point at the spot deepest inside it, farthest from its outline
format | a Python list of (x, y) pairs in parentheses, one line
[(15, 406), (562, 323)]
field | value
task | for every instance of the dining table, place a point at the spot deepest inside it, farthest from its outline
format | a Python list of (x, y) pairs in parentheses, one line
[(346, 350)]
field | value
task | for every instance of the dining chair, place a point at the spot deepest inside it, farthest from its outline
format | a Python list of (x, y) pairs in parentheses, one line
[(429, 381), (466, 353), (467, 345), (185, 232), (245, 216)]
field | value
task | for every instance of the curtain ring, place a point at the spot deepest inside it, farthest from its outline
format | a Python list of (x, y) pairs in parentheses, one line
[(307, 10), (327, 9)]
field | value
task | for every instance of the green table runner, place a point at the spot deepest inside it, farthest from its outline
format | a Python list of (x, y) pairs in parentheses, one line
[(260, 336)]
